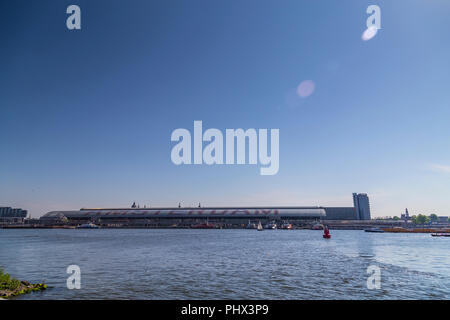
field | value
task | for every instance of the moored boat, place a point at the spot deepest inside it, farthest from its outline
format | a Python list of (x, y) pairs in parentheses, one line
[(270, 226), (440, 234), (260, 227), (286, 226), (374, 230), (89, 225), (203, 226), (250, 225)]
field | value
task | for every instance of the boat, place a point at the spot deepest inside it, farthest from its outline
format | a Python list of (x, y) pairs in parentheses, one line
[(270, 226), (260, 227), (326, 233), (286, 226), (250, 225), (440, 234), (317, 226), (374, 230), (89, 225), (206, 225)]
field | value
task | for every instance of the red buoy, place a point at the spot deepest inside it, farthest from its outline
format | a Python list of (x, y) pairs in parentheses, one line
[(326, 233)]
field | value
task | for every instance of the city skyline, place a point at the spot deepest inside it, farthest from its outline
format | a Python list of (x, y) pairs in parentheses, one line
[(87, 115)]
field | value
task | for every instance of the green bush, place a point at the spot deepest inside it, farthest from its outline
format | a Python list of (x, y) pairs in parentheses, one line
[(8, 283), (420, 219), (14, 287)]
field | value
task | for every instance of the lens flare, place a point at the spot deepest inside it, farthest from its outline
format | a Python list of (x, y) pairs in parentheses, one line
[(369, 33), (306, 88)]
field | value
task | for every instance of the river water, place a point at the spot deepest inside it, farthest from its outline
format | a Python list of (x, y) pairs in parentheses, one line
[(227, 264)]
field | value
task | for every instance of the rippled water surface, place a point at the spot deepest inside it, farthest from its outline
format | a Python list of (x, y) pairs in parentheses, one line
[(235, 264)]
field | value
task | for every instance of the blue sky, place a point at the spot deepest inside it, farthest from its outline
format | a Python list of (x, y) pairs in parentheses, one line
[(86, 116)]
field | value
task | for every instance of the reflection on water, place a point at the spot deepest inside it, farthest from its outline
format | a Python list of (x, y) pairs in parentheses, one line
[(235, 264)]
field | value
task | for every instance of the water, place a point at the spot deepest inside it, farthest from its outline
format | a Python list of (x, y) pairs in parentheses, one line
[(227, 264)]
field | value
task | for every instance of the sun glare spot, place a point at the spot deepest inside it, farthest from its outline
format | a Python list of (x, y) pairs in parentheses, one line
[(306, 88), (369, 33)]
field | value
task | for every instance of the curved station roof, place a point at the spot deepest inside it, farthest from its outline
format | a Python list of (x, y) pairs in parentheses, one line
[(225, 212)]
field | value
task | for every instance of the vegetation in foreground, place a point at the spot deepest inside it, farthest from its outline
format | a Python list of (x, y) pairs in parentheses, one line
[(10, 287)]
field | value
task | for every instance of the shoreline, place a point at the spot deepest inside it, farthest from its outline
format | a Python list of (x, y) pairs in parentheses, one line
[(11, 287)]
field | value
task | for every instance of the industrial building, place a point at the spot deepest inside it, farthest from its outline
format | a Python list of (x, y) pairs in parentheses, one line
[(218, 215)]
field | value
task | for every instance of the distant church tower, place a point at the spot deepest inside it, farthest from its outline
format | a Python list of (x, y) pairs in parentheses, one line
[(133, 205), (405, 216)]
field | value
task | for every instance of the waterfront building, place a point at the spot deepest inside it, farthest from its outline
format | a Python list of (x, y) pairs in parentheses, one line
[(443, 219), (340, 213), (220, 215), (10, 215), (362, 206), (8, 212), (185, 216)]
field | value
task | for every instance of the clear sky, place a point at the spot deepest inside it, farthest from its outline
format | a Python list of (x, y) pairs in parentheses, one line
[(86, 115)]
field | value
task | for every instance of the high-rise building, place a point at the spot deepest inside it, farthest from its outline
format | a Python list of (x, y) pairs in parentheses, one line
[(362, 206)]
